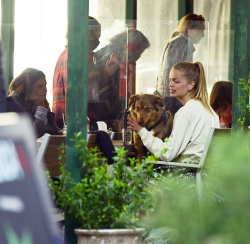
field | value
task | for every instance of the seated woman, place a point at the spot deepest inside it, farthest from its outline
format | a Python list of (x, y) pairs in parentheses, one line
[(192, 122), (221, 101), (29, 91)]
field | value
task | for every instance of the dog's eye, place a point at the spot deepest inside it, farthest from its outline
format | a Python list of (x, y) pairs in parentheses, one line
[(148, 110), (138, 109)]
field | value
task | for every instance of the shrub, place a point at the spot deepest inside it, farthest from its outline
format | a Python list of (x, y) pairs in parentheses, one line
[(102, 199), (224, 214)]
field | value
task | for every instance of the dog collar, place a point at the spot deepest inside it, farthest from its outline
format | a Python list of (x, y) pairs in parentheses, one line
[(163, 117)]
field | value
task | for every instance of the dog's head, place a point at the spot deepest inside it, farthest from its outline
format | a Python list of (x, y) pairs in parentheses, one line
[(146, 109)]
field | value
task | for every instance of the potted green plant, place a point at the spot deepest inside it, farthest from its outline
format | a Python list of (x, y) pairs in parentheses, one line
[(105, 203)]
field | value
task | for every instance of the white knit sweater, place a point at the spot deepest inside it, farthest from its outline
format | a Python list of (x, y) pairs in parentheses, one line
[(191, 126)]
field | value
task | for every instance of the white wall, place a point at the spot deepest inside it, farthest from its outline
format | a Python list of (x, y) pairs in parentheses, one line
[(40, 27)]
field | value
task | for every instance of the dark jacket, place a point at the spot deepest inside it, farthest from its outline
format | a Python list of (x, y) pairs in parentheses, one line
[(13, 106), (178, 49), (39, 126)]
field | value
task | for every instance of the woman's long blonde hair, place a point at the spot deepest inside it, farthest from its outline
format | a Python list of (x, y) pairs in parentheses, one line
[(195, 72)]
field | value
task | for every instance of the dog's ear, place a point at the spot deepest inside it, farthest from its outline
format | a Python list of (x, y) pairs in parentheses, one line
[(158, 101), (132, 100)]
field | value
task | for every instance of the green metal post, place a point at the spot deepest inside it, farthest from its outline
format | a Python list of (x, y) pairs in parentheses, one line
[(7, 38), (77, 87), (131, 9), (184, 7), (241, 53), (231, 42)]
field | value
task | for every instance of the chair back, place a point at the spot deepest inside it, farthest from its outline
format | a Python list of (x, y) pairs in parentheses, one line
[(43, 147), (208, 142), (222, 132), (199, 166), (51, 157)]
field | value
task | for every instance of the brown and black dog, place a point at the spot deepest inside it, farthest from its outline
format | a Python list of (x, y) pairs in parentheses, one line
[(148, 110)]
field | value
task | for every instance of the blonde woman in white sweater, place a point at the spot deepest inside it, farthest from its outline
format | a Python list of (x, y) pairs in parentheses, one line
[(192, 122)]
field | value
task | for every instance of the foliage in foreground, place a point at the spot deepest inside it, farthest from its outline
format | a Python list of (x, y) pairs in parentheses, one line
[(173, 212), (102, 199), (224, 214), (244, 102)]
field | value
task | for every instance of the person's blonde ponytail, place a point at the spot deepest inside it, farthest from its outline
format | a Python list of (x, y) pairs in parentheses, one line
[(201, 93)]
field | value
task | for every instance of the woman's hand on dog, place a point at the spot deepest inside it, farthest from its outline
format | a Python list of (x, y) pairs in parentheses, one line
[(133, 124)]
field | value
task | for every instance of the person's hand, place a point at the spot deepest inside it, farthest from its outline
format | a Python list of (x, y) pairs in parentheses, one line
[(111, 68), (133, 124), (36, 98)]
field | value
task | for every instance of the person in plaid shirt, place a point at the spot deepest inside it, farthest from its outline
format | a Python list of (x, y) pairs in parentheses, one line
[(95, 77), (59, 88)]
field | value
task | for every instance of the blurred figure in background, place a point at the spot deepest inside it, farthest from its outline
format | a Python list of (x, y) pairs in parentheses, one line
[(94, 77), (124, 49), (221, 101), (180, 48), (29, 91)]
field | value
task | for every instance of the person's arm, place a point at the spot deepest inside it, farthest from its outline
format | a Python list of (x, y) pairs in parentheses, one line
[(40, 120), (60, 88), (50, 127), (39, 127), (41, 113), (31, 110), (40, 106), (176, 144)]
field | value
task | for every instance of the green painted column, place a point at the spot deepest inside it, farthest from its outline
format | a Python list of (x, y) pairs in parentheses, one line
[(131, 13), (131, 22), (241, 53), (184, 7), (77, 87), (231, 42), (7, 38)]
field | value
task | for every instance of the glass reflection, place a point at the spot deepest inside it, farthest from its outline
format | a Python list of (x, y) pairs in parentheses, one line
[(116, 63), (155, 21)]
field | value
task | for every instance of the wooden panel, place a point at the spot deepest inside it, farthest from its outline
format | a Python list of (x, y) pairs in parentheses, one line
[(218, 132), (92, 141), (51, 160)]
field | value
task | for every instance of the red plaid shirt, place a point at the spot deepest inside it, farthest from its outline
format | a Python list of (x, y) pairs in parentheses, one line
[(60, 86), (95, 77)]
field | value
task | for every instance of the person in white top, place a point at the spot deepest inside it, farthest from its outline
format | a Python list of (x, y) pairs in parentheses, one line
[(192, 122)]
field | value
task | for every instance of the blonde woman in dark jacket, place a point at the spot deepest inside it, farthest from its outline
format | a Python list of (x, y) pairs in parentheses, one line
[(179, 48)]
